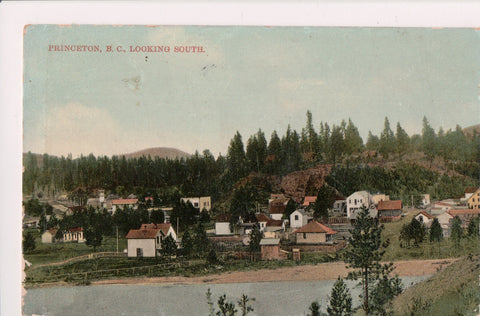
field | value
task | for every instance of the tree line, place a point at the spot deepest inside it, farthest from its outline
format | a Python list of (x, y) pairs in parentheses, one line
[(203, 174)]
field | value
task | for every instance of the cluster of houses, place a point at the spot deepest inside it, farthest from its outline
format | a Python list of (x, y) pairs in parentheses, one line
[(299, 228), (465, 208)]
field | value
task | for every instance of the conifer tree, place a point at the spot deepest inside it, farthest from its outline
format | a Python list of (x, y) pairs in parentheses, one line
[(169, 246), (473, 230), (457, 230), (340, 300), (436, 232)]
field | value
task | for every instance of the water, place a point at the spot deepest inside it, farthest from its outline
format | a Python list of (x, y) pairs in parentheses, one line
[(271, 298)]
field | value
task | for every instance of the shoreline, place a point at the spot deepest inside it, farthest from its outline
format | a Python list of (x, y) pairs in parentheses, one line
[(321, 271)]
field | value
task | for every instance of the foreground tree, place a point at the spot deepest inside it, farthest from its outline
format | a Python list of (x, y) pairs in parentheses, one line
[(414, 230), (226, 308), (365, 252), (340, 300), (315, 309)]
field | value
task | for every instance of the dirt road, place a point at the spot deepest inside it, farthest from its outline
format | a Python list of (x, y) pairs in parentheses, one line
[(324, 271)]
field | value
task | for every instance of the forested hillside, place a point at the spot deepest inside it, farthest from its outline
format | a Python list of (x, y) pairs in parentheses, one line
[(440, 163)]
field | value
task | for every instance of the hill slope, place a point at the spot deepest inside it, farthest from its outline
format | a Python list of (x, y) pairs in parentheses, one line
[(451, 291), (161, 152)]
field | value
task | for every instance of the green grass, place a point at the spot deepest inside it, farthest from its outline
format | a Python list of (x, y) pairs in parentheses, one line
[(454, 290), (47, 253), (426, 250)]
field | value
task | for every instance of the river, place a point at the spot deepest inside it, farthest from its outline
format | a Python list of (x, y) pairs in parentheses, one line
[(271, 298)]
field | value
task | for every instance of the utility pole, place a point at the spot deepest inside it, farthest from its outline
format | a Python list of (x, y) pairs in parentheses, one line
[(412, 200), (117, 237)]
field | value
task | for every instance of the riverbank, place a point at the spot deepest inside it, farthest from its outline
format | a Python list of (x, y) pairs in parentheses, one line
[(322, 271)]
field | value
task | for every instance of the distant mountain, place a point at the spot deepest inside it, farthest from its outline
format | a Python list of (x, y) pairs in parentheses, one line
[(471, 129), (161, 152)]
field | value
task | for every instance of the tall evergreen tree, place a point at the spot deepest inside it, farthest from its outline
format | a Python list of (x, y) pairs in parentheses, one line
[(324, 202), (236, 158), (274, 151), (353, 141), (337, 144), (169, 246), (429, 140), (373, 142), (255, 238), (365, 254), (340, 300), (387, 140), (473, 229), (402, 140), (28, 242)]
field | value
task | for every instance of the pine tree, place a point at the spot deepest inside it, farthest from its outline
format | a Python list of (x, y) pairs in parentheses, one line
[(169, 246), (373, 142), (429, 141), (340, 300), (324, 202), (365, 254), (387, 140), (457, 231), (255, 238), (436, 232), (472, 229), (314, 309), (93, 236), (353, 141), (187, 244), (245, 307), (402, 140), (236, 158)]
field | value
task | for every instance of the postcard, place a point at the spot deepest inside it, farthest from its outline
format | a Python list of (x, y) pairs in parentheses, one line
[(250, 170)]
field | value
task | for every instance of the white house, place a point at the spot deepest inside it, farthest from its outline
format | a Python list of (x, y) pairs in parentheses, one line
[(299, 218), (357, 200), (262, 221), (74, 234), (222, 225), (166, 228), (202, 202), (144, 242), (48, 236), (339, 207), (444, 219), (424, 217)]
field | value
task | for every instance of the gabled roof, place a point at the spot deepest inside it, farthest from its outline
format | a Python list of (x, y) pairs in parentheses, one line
[(269, 241), (389, 205), (301, 211), (276, 209), (470, 190), (275, 223), (142, 233), (466, 211), (74, 229), (52, 231), (164, 227), (427, 215), (315, 227), (262, 217), (124, 201), (308, 200)]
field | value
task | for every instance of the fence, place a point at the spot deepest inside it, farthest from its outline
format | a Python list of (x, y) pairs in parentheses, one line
[(89, 256), (148, 271)]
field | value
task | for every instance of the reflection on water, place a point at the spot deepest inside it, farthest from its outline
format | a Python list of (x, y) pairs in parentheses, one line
[(271, 298)]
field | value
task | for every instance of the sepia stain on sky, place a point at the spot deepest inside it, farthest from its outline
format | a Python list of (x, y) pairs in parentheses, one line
[(248, 78)]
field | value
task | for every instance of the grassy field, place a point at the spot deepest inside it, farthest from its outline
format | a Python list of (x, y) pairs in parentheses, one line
[(426, 250), (454, 290), (46, 253)]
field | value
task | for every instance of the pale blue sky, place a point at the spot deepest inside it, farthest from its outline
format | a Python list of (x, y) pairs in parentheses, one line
[(249, 78)]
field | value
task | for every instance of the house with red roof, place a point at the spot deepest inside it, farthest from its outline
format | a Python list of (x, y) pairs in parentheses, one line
[(123, 203), (166, 228), (48, 236), (277, 207), (145, 241), (314, 233), (73, 235), (389, 208), (309, 200), (465, 215)]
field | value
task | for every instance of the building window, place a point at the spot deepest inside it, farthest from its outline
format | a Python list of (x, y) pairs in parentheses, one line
[(158, 239), (139, 252), (304, 235), (296, 217), (355, 201)]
